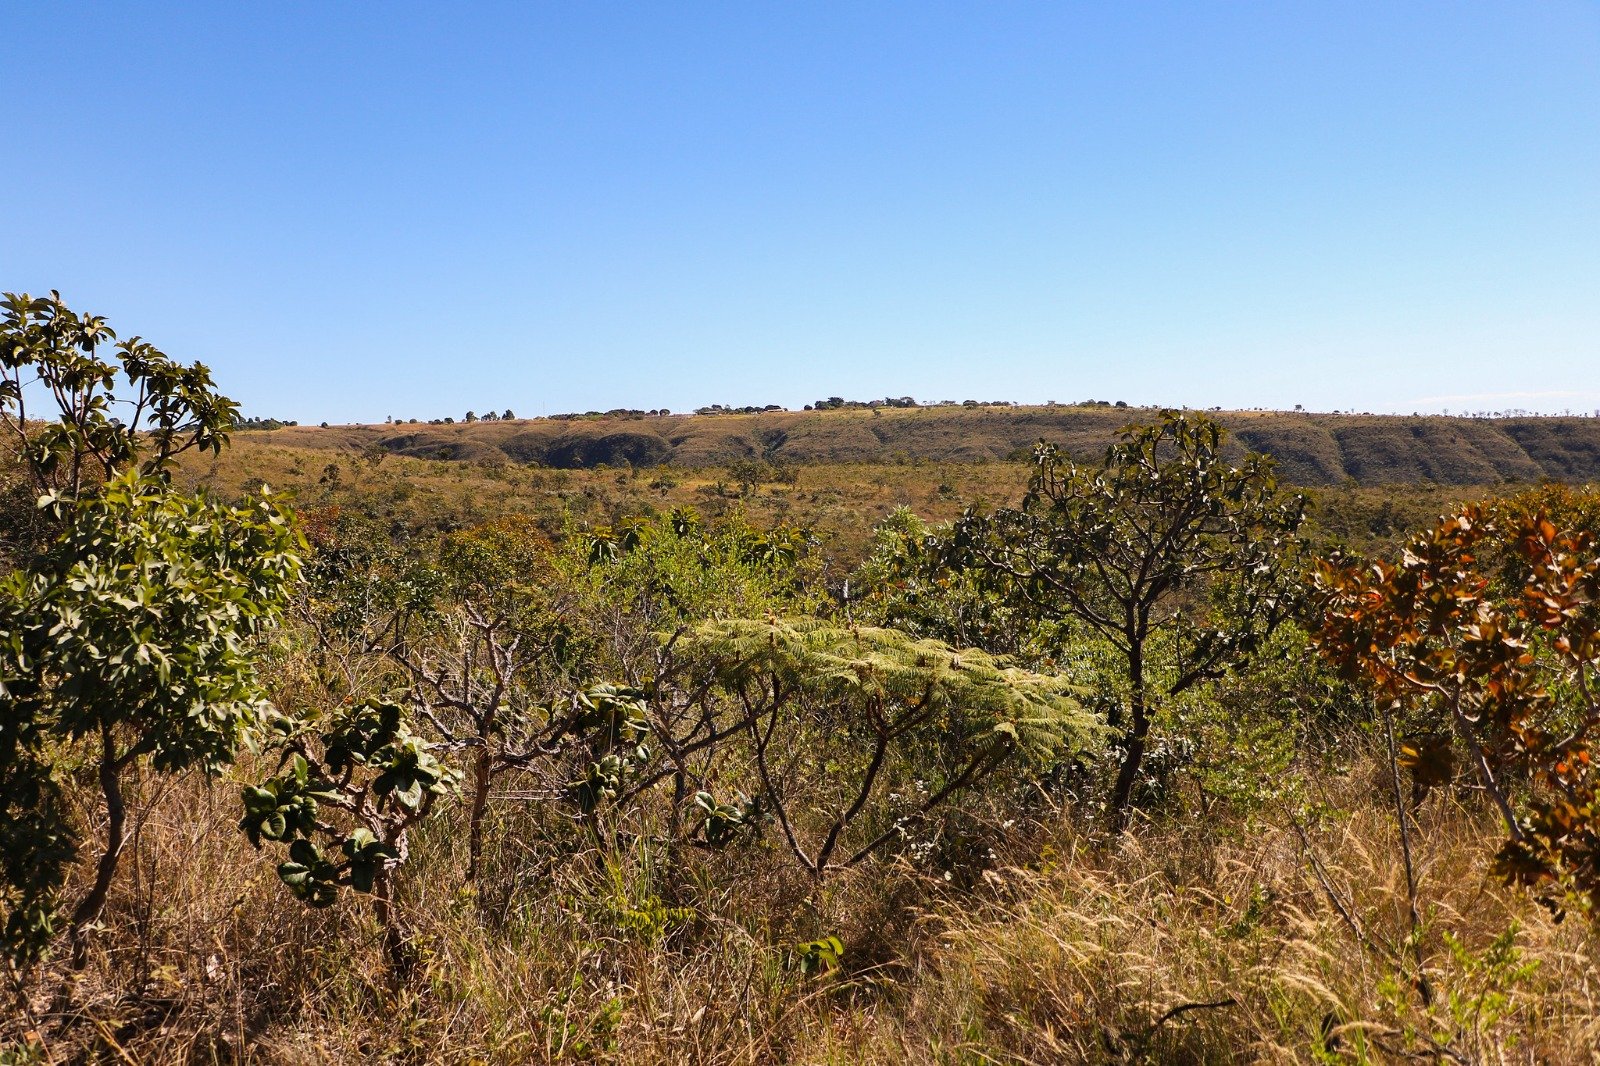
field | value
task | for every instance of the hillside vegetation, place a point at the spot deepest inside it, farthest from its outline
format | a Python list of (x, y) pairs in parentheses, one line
[(1311, 449), (841, 503), (1149, 758)]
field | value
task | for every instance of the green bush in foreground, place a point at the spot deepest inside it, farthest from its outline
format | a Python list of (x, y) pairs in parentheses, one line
[(126, 637)]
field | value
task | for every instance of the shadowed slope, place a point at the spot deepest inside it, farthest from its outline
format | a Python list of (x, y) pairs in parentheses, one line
[(1312, 449)]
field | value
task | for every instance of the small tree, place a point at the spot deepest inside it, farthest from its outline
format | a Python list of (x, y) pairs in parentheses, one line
[(133, 629), (1487, 629), (749, 473), (370, 769), (872, 706), (476, 645), (475, 679), (1164, 540)]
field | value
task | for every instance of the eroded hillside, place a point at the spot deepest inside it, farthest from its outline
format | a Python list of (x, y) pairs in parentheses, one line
[(1311, 449)]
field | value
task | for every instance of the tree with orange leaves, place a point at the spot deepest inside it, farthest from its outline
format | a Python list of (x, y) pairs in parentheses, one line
[(1487, 630)]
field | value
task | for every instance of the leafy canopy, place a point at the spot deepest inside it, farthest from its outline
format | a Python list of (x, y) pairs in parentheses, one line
[(870, 727), (1165, 540), (1487, 628), (129, 611), (140, 618), (50, 352)]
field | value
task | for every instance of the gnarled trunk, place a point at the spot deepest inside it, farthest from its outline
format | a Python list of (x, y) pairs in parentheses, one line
[(116, 836)]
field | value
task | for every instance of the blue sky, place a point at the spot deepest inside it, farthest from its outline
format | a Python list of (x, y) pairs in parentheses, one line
[(354, 210)]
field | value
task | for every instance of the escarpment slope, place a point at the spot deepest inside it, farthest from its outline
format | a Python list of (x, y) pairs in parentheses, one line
[(1311, 449)]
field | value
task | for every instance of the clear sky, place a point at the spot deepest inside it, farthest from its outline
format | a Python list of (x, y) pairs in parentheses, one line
[(357, 210)]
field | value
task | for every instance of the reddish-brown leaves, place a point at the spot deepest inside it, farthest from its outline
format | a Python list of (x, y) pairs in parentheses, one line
[(1446, 633)]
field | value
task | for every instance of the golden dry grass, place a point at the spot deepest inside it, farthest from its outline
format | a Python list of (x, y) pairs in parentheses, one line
[(1174, 944)]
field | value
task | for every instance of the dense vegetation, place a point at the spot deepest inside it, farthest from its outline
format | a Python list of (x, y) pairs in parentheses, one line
[(1145, 758)]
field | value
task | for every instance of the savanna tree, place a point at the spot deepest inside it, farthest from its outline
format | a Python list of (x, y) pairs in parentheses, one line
[(130, 626), (854, 734), (1487, 630), (480, 642), (476, 644), (342, 802), (1165, 541)]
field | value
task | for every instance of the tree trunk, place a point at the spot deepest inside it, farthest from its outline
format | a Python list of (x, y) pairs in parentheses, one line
[(480, 804), (1133, 740), (397, 949), (1128, 774), (116, 823), (1424, 989)]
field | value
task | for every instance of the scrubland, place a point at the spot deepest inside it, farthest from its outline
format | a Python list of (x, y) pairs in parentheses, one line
[(1226, 939), (650, 701)]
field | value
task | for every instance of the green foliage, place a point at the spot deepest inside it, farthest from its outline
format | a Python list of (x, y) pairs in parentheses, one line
[(985, 701), (721, 823), (571, 1036), (96, 433), (371, 768), (139, 618), (819, 956), (136, 628), (1246, 730), (752, 473), (905, 583), (1487, 990), (865, 727), (1165, 539), (611, 723), (628, 583), (1492, 979), (284, 807), (630, 906), (359, 578), (37, 843)]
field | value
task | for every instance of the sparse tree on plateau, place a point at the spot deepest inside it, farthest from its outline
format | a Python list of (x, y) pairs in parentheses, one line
[(1163, 540)]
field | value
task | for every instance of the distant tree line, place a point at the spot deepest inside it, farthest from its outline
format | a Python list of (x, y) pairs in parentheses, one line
[(615, 412), (719, 409), (262, 423), (449, 420), (836, 403)]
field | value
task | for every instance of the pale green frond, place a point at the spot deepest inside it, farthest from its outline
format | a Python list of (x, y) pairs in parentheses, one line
[(1036, 715)]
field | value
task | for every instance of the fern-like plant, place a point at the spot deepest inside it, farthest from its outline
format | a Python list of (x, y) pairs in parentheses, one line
[(834, 714)]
